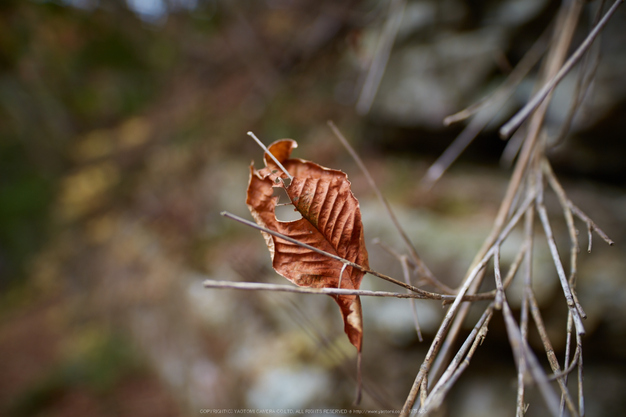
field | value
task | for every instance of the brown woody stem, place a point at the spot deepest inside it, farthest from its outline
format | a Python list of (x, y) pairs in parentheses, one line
[(421, 293)]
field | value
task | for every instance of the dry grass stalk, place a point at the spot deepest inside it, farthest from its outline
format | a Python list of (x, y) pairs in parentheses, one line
[(527, 179)]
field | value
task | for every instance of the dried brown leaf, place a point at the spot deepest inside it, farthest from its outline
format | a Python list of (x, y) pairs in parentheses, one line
[(331, 221)]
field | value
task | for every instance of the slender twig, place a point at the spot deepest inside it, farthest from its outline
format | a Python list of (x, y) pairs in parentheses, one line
[(552, 359), (450, 340), (567, 213), (533, 103), (381, 57), (452, 152), (567, 291), (513, 145), (510, 274), (407, 278), (568, 208), (460, 362), (586, 75), (568, 348), (424, 294), (487, 109), (450, 315), (271, 155), (443, 328), (498, 278), (515, 265), (506, 89), (259, 286), (581, 397), (570, 298), (520, 348), (568, 205), (590, 225), (563, 33), (565, 373), (504, 212), (427, 274), (521, 366)]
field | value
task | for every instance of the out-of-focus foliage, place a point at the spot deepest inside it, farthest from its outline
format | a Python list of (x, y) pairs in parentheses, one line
[(63, 71), (113, 127)]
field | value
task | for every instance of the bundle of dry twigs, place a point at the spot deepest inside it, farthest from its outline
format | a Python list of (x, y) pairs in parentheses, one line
[(522, 208)]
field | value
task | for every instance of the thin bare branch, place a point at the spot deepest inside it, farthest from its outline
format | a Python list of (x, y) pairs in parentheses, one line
[(505, 90), (555, 57), (581, 397), (565, 373), (515, 265), (450, 315), (570, 298), (567, 291), (521, 348), (513, 145), (567, 213), (439, 337), (423, 293), (568, 205), (452, 152), (460, 362), (424, 390), (586, 75), (568, 348), (563, 33), (271, 155), (510, 274), (591, 225), (498, 278), (485, 251), (407, 278), (425, 272), (530, 197), (486, 110), (533, 103), (552, 359), (521, 366), (259, 286), (381, 57)]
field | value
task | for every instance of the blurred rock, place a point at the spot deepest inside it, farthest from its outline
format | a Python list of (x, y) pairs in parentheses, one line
[(424, 83), (449, 55), (289, 388)]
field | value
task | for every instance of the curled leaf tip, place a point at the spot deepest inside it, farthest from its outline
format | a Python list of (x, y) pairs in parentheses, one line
[(281, 149)]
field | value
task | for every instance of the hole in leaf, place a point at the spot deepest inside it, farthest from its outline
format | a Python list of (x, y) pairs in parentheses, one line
[(285, 211)]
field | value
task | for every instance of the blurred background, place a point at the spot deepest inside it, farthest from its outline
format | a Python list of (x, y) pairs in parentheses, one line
[(123, 136)]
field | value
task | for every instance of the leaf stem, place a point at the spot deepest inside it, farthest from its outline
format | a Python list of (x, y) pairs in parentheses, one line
[(271, 155)]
